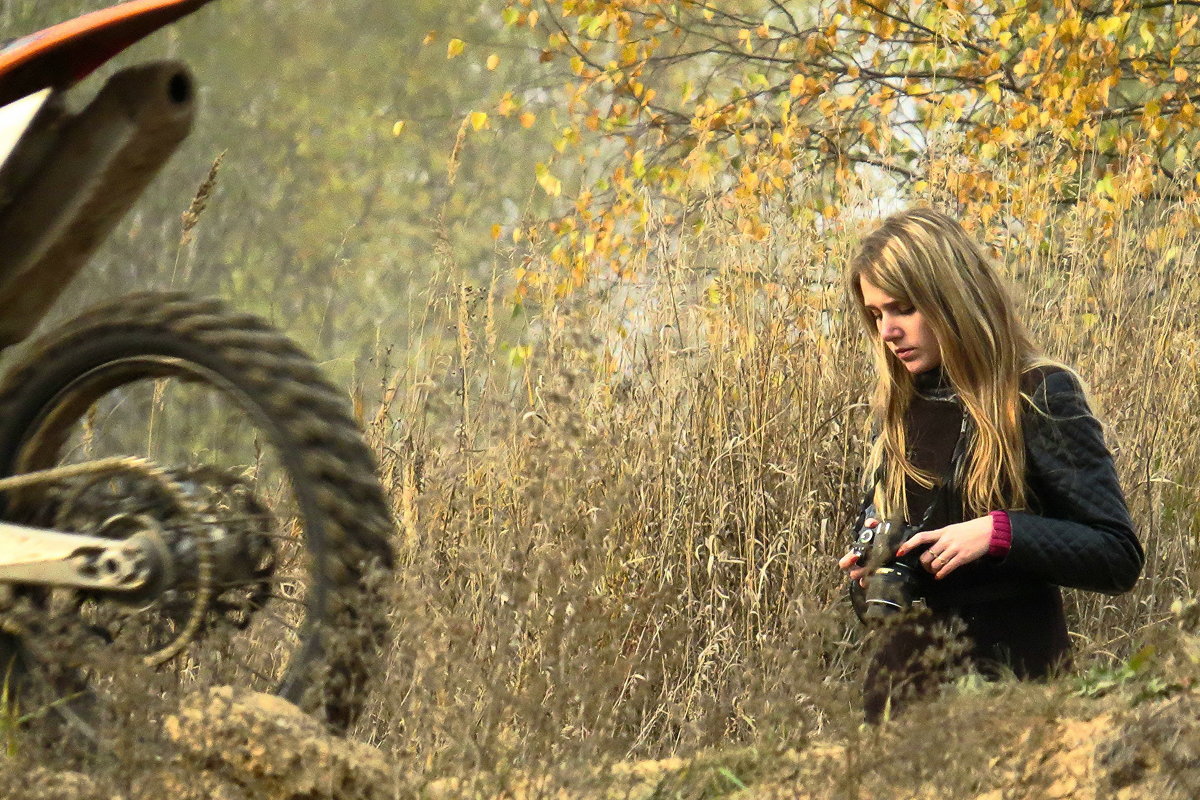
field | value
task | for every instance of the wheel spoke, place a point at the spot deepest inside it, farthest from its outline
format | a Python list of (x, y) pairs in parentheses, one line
[(182, 383)]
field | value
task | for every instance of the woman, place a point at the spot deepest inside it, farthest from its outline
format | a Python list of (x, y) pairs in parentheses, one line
[(986, 446)]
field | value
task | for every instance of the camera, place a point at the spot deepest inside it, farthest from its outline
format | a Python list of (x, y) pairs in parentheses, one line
[(893, 584)]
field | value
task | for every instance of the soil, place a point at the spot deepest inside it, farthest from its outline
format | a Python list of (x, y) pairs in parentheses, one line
[(1141, 739), (233, 745)]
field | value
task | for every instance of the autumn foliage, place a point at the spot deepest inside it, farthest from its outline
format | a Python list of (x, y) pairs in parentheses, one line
[(668, 103)]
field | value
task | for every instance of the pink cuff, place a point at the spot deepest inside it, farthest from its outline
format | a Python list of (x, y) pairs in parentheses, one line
[(1001, 535)]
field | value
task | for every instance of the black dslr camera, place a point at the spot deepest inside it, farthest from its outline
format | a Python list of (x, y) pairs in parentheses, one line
[(893, 584)]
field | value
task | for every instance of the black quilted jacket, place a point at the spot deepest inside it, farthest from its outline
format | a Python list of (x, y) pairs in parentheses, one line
[(1077, 531)]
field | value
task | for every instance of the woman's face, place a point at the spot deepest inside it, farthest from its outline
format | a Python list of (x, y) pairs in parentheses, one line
[(903, 330)]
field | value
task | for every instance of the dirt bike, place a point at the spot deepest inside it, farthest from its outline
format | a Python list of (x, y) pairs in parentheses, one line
[(178, 483)]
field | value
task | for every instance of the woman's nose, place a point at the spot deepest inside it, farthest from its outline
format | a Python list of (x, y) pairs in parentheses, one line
[(891, 331)]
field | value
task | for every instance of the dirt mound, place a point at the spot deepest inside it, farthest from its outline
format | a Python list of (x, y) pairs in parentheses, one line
[(225, 744), (246, 744), (991, 742)]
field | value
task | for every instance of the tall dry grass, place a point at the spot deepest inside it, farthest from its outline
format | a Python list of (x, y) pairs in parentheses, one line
[(619, 522), (626, 544)]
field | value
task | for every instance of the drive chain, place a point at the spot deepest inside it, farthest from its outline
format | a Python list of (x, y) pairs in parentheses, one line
[(298, 398), (204, 590)]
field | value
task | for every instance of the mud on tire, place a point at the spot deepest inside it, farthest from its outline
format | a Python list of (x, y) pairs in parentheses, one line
[(88, 373)]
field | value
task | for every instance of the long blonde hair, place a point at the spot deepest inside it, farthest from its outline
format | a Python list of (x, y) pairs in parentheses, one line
[(925, 259)]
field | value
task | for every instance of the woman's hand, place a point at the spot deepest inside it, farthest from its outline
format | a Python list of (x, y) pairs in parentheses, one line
[(952, 546), (849, 562)]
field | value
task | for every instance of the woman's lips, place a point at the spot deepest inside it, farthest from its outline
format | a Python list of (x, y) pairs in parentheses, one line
[(905, 352)]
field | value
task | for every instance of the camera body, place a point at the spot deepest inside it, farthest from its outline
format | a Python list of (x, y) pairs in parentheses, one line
[(893, 584)]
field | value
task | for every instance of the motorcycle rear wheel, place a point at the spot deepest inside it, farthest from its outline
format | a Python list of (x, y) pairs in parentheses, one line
[(263, 425)]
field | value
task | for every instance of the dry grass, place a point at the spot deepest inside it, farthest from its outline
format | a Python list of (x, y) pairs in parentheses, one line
[(621, 542), (625, 546)]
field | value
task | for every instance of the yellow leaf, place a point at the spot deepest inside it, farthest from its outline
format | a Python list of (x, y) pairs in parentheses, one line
[(993, 90), (519, 354), (429, 37), (713, 294), (495, 231), (398, 128), (527, 119), (454, 47), (493, 61), (1110, 25), (1181, 74), (1147, 34), (478, 119), (797, 85), (550, 184)]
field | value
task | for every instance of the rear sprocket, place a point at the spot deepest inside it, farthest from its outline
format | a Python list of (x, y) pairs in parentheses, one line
[(259, 476)]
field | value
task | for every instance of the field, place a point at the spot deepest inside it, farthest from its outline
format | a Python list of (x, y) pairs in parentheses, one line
[(621, 550), (621, 478)]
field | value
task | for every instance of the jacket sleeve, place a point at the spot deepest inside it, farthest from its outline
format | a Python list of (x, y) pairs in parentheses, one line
[(1079, 533)]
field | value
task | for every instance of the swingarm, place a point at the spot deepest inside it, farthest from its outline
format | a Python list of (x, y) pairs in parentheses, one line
[(58, 558)]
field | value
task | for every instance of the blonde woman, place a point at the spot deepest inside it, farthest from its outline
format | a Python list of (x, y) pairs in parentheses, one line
[(988, 450)]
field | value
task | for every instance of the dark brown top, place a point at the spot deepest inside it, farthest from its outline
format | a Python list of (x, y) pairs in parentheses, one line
[(933, 423)]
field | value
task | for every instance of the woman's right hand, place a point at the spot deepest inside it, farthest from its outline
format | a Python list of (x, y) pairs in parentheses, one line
[(849, 562)]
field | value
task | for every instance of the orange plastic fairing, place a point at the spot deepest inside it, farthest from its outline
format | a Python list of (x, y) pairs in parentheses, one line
[(66, 53)]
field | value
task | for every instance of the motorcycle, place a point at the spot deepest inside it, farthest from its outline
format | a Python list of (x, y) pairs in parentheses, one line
[(178, 482)]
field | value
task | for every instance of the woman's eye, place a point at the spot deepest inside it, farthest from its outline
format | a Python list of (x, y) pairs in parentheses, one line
[(904, 312)]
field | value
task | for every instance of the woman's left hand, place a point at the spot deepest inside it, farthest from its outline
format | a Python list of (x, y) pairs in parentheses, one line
[(952, 546)]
